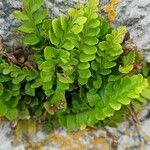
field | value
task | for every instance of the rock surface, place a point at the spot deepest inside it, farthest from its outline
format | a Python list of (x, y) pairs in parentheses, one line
[(135, 14)]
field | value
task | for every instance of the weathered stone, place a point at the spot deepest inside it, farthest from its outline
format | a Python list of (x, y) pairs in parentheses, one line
[(135, 14)]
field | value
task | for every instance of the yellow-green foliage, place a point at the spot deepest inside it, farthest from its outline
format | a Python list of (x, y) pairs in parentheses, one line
[(82, 77)]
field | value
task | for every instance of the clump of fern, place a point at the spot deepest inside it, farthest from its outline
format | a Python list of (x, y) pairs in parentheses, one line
[(85, 73)]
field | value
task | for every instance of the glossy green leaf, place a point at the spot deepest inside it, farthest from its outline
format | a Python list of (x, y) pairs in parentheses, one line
[(48, 107), (93, 31), (115, 77), (94, 23), (68, 45), (76, 29), (56, 25), (146, 93), (54, 40), (71, 122), (97, 83), (3, 108), (91, 40), (129, 58), (84, 73), (109, 64), (85, 58), (1, 88), (64, 79), (89, 50), (19, 79), (12, 114), (32, 75), (117, 35), (104, 27), (80, 20), (84, 65), (6, 96), (82, 81), (27, 28), (47, 66), (115, 105), (94, 65), (31, 39), (50, 52), (64, 56), (40, 15), (14, 101), (93, 99), (28, 90), (64, 22), (126, 69), (4, 78), (24, 114), (45, 77), (36, 4), (36, 84), (103, 45), (20, 15), (7, 70)]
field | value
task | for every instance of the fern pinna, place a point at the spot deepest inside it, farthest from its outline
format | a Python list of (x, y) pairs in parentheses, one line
[(84, 72)]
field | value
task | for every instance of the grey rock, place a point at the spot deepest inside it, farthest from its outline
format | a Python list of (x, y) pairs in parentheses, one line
[(6, 137), (145, 127), (1, 5), (14, 4), (135, 15)]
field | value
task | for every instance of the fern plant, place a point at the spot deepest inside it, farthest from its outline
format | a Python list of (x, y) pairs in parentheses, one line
[(17, 92), (84, 74), (32, 17)]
